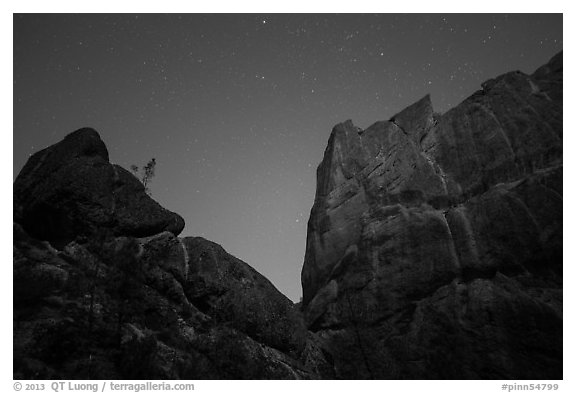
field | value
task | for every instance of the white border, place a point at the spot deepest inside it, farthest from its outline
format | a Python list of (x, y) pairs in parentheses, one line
[(301, 6)]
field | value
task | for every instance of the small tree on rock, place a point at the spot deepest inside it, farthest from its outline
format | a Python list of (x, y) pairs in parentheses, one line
[(147, 173)]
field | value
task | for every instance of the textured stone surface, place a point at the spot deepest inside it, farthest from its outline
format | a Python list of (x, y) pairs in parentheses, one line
[(232, 292), (71, 189), (434, 245), (434, 250), (122, 297), (159, 307)]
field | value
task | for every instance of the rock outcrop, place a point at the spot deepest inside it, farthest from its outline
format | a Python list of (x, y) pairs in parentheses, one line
[(434, 250), (122, 297), (71, 189), (434, 245)]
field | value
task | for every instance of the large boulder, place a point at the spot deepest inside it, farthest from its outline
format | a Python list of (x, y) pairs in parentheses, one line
[(71, 189), (439, 237)]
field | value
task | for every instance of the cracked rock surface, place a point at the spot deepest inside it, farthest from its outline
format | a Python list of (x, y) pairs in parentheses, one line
[(434, 245), (434, 251)]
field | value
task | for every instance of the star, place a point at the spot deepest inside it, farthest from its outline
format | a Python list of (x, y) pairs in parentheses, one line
[(245, 94)]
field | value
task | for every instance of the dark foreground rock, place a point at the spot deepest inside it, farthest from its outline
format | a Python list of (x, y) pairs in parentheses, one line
[(121, 297), (71, 189), (151, 308), (434, 245)]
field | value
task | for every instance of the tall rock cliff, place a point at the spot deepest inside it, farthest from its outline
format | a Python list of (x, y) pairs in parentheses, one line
[(434, 246)]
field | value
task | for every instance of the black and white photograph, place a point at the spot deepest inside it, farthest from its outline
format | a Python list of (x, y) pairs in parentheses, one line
[(279, 196)]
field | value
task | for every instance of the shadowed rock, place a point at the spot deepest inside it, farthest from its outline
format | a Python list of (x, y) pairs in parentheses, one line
[(123, 297), (71, 189), (159, 307)]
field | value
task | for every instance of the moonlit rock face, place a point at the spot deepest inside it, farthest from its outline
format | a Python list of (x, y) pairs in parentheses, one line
[(441, 235)]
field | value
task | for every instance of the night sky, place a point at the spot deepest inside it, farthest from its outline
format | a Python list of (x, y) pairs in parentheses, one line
[(237, 109)]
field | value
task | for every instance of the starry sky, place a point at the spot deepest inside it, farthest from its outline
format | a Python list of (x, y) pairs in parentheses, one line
[(237, 108)]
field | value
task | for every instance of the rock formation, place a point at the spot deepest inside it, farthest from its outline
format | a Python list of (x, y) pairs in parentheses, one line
[(103, 288), (434, 245), (434, 250), (72, 189)]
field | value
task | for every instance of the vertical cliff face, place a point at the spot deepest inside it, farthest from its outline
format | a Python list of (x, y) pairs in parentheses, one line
[(438, 238), (361, 169)]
